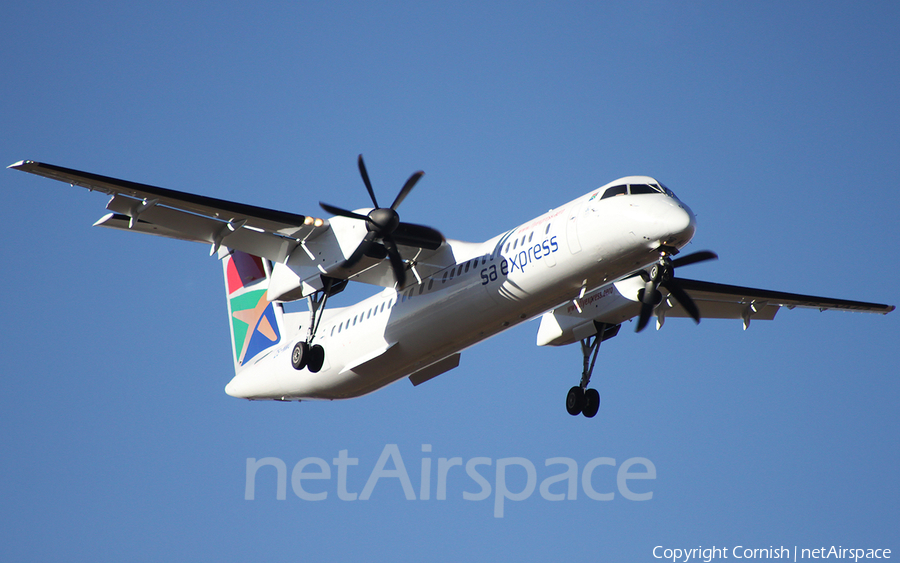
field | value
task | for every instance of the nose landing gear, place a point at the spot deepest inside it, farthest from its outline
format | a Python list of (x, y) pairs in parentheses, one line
[(581, 399)]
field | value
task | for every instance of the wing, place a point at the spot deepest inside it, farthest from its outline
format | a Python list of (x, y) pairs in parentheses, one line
[(616, 303), (138, 207), (721, 301), (294, 243)]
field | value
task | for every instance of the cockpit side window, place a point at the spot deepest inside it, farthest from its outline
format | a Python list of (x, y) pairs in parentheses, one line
[(614, 191), (669, 192)]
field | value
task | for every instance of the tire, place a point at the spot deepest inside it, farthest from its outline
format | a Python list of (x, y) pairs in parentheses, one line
[(575, 401), (591, 403), (316, 358), (300, 355)]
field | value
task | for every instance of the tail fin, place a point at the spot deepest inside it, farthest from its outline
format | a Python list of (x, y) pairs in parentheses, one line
[(256, 323)]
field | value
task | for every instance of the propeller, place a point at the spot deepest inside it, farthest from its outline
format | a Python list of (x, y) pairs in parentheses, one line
[(384, 226), (662, 275)]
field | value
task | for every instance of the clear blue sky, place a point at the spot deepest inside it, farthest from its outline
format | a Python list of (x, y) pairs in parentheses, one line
[(776, 122)]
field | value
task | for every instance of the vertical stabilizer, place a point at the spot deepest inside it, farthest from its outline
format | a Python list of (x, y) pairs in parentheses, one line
[(256, 323)]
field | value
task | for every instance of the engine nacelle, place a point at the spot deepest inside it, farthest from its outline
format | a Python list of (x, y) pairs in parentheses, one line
[(611, 304), (301, 274)]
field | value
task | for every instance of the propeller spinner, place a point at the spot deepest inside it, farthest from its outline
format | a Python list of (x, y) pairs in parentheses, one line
[(384, 227)]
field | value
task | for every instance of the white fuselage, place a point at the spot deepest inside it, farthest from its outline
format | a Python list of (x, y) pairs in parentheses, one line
[(583, 245)]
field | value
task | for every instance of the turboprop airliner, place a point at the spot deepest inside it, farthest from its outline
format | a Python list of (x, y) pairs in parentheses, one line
[(585, 268)]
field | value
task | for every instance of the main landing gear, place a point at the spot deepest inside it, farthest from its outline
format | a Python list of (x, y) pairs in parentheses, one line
[(306, 354), (580, 399)]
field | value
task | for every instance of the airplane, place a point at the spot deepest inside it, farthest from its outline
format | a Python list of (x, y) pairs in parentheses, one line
[(585, 268)]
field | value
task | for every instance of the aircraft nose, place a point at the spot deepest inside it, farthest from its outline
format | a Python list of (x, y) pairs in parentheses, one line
[(682, 225), (667, 223)]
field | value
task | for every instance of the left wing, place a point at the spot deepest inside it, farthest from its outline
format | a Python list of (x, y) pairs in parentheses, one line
[(616, 303), (721, 301), (138, 207)]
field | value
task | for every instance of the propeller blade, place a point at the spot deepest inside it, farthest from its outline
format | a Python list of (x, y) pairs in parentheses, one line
[(341, 212), (410, 234), (360, 251), (646, 311), (365, 177), (683, 298), (701, 256), (649, 298), (396, 261), (407, 187)]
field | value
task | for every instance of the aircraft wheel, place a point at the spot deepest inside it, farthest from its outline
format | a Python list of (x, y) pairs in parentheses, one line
[(591, 403), (300, 355), (575, 400), (316, 358)]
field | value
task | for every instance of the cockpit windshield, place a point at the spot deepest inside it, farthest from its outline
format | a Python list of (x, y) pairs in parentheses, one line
[(634, 189)]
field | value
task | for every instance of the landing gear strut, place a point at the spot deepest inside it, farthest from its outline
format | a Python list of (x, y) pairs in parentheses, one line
[(580, 399), (306, 354)]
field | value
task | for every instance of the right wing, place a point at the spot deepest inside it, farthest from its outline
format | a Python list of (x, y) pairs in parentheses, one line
[(137, 207), (294, 243)]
